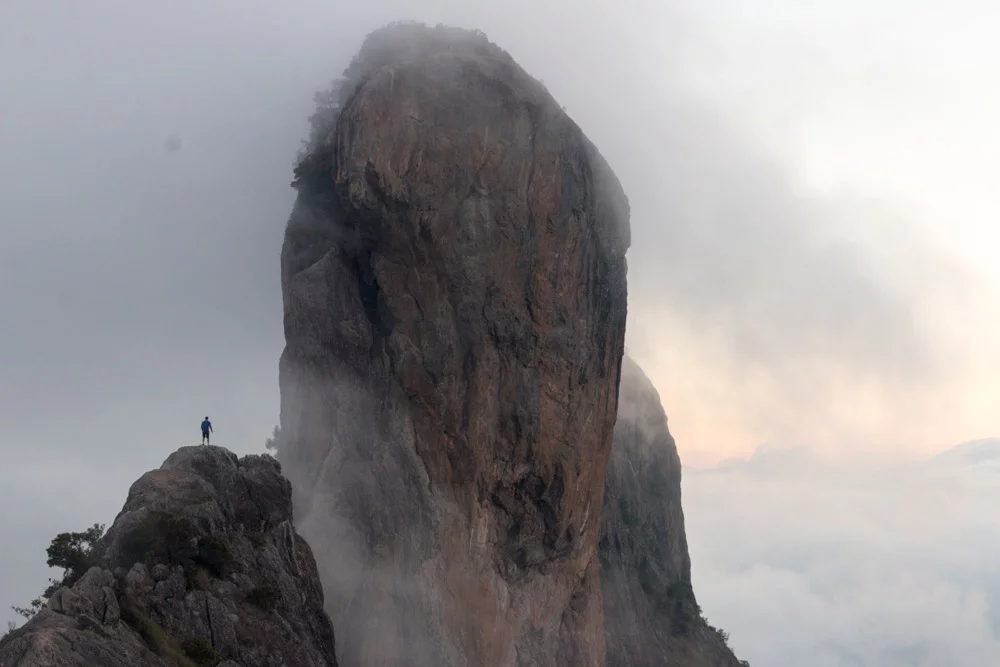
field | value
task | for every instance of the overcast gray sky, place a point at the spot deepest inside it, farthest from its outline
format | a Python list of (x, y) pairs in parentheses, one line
[(813, 242)]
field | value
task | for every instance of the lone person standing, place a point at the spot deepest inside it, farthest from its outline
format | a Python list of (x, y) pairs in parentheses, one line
[(206, 430)]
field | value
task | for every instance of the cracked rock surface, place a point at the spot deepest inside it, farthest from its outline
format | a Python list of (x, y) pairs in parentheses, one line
[(455, 301), (202, 565)]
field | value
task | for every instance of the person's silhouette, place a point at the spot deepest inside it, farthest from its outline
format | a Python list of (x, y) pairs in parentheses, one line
[(206, 431)]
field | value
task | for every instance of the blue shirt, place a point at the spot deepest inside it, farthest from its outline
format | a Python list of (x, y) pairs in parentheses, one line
[(205, 426)]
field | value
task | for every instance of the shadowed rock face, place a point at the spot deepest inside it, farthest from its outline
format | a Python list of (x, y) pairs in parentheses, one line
[(455, 300), (650, 612), (203, 551)]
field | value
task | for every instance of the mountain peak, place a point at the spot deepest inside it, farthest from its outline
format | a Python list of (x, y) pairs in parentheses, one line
[(455, 302), (202, 564)]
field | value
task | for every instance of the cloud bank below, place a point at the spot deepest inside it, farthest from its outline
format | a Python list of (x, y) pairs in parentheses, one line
[(805, 561)]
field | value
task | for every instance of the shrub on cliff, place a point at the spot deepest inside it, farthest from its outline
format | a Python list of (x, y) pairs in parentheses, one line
[(75, 554), (200, 651), (264, 598), (273, 443), (172, 540), (382, 47), (11, 626)]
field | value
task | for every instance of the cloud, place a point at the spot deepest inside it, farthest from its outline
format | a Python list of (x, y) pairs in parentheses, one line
[(141, 286), (766, 311), (808, 562)]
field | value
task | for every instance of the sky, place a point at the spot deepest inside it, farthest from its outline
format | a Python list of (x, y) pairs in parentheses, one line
[(892, 566), (813, 258)]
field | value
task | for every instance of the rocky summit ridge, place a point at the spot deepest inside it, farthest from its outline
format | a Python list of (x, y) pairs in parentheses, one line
[(202, 567)]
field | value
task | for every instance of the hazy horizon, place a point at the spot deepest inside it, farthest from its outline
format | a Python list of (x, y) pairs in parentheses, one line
[(890, 565)]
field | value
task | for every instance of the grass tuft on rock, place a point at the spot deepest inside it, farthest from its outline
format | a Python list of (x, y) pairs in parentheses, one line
[(200, 651)]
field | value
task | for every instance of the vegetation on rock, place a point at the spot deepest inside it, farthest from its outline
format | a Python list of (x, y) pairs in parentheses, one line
[(75, 553), (164, 538), (263, 597), (200, 650)]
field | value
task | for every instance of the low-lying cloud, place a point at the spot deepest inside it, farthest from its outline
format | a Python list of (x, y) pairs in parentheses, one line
[(807, 563)]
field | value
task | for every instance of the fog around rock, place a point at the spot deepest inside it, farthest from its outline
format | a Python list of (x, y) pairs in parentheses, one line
[(141, 290)]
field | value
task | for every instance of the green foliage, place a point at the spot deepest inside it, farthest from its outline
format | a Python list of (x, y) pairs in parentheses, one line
[(200, 650), (677, 605), (674, 602), (213, 554), (75, 553), (322, 122), (724, 637), (263, 597), (54, 585), (7, 636), (201, 580), (259, 540), (160, 538), (681, 607), (324, 118), (380, 48), (158, 640), (33, 608), (172, 540), (312, 173), (273, 443)]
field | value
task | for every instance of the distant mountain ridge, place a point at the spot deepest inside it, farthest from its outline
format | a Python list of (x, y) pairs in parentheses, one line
[(972, 453)]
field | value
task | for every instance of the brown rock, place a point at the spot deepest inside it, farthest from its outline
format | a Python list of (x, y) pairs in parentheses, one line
[(455, 299)]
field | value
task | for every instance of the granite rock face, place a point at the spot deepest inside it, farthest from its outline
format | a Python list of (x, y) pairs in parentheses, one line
[(651, 615), (202, 566), (454, 286)]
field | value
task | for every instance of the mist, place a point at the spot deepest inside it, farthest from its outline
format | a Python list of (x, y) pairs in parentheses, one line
[(770, 300), (805, 561)]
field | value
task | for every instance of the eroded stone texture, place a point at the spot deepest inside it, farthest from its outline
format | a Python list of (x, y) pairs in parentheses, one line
[(203, 550), (650, 613), (455, 300)]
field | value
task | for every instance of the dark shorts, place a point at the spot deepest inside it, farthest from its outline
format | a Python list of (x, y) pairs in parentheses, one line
[(204, 434)]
